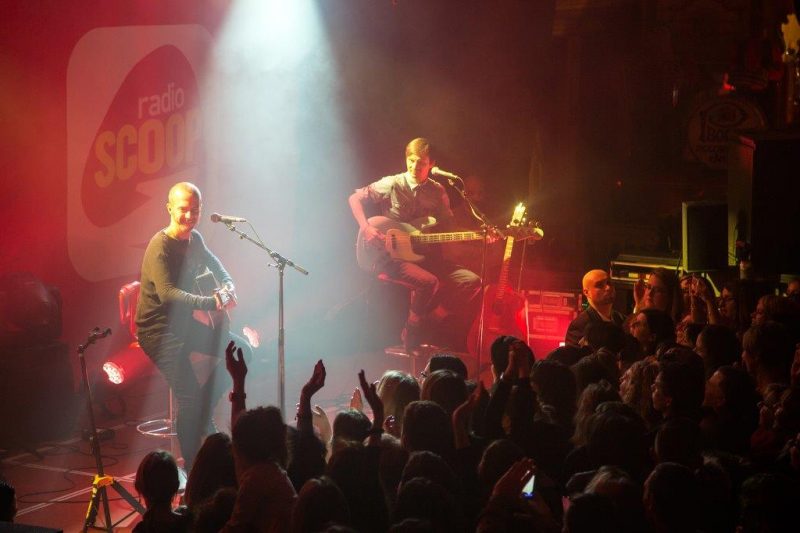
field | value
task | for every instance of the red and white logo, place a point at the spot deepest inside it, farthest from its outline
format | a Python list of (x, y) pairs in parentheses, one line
[(134, 128)]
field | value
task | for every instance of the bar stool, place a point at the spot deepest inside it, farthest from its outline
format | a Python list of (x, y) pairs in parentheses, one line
[(398, 350), (161, 427)]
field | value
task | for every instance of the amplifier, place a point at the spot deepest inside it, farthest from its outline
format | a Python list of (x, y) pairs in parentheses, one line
[(629, 268), (549, 315)]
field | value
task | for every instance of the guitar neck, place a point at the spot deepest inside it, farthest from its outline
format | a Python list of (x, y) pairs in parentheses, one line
[(504, 269), (455, 236), (516, 219)]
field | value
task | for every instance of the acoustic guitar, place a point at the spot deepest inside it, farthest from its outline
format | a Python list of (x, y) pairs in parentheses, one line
[(207, 285), (504, 310)]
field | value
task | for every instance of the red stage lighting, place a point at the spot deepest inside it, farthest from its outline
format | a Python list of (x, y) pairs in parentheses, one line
[(127, 364), (253, 337)]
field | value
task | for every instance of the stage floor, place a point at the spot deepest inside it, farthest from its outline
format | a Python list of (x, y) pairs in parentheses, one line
[(54, 490)]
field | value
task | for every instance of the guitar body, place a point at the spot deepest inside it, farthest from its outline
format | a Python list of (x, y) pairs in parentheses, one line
[(374, 256), (503, 314), (218, 320)]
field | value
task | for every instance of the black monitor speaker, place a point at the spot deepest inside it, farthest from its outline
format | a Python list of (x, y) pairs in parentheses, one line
[(705, 236)]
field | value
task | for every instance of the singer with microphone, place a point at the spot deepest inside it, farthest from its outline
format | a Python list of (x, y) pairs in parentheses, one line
[(444, 294), (175, 258)]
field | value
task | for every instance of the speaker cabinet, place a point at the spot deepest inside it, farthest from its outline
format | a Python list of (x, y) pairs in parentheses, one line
[(549, 315), (763, 206), (39, 401), (705, 236)]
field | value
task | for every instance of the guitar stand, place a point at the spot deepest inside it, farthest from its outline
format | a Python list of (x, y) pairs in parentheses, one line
[(101, 482)]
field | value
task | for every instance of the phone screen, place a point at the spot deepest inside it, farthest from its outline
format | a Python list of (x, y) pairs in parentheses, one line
[(527, 491)]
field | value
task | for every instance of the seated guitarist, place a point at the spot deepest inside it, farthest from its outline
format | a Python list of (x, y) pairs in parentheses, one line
[(166, 329), (439, 288)]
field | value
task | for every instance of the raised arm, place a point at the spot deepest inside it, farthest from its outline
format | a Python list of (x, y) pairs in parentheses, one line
[(237, 368), (376, 404), (312, 386), (705, 295)]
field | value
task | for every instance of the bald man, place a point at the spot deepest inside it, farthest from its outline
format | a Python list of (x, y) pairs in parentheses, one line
[(600, 294), (166, 329)]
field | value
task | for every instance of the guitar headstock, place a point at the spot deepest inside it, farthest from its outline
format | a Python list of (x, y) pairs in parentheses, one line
[(518, 217), (528, 231), (521, 228)]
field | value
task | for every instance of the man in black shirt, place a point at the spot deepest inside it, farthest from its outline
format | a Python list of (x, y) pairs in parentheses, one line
[(166, 328), (600, 294)]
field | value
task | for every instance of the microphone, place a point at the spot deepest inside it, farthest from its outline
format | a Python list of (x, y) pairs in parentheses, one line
[(216, 217), (97, 334), (436, 171)]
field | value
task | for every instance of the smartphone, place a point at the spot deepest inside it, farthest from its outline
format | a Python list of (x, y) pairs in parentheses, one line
[(527, 490)]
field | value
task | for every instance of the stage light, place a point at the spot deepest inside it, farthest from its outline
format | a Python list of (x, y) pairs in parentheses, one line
[(126, 365), (253, 337), (114, 372)]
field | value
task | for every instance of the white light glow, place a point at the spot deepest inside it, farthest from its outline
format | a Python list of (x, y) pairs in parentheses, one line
[(114, 372)]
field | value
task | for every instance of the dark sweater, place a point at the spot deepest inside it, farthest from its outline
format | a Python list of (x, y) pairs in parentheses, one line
[(577, 328), (168, 293)]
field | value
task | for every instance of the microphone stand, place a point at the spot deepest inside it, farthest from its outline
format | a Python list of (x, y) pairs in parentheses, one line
[(280, 263), (101, 481), (485, 225)]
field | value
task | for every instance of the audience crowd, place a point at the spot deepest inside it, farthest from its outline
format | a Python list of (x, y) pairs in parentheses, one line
[(683, 418)]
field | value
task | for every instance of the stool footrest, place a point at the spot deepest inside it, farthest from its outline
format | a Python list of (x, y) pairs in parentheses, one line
[(161, 427)]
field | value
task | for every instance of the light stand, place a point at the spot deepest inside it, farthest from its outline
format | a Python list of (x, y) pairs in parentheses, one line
[(280, 263), (101, 481)]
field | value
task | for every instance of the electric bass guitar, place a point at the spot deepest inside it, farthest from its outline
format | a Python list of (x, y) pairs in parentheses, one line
[(504, 310), (402, 240)]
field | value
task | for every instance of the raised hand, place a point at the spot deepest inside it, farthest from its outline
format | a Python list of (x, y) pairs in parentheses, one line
[(236, 365), (355, 400), (511, 371), (514, 480), (320, 420), (237, 368), (519, 352), (374, 401), (317, 380), (390, 426), (701, 290)]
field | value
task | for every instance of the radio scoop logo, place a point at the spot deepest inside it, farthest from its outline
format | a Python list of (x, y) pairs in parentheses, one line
[(151, 130), (134, 128)]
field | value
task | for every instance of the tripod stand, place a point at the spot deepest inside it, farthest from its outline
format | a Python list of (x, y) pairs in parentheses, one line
[(101, 482)]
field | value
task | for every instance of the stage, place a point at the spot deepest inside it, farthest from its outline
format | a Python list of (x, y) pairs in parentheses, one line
[(54, 490)]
